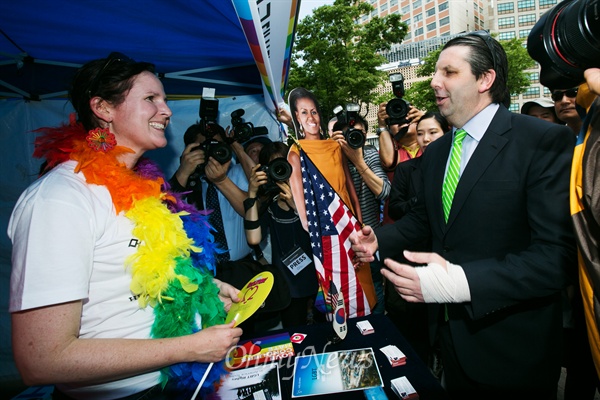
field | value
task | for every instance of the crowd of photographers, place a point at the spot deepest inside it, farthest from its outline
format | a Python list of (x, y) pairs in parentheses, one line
[(261, 225)]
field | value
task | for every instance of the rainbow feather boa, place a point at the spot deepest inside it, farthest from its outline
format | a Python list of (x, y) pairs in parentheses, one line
[(173, 269)]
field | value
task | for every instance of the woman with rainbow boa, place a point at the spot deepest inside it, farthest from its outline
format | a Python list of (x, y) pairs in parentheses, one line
[(112, 288)]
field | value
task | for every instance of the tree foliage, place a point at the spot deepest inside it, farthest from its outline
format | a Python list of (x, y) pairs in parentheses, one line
[(337, 58), (421, 95)]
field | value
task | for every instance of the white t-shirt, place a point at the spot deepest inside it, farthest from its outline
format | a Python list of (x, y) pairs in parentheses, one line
[(68, 244)]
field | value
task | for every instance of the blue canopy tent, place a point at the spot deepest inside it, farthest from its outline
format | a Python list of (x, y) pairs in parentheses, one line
[(194, 44)]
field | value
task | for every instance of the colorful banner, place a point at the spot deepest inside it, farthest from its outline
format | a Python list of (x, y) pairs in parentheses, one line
[(269, 26)]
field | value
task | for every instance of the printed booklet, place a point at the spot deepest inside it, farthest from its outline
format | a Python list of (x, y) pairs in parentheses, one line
[(334, 372), (258, 383)]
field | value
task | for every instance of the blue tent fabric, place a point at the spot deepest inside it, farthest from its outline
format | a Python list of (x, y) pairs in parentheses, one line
[(194, 44)]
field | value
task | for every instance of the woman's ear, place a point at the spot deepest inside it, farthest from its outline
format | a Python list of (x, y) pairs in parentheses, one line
[(101, 109)]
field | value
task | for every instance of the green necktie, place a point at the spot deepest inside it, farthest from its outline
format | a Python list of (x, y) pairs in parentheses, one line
[(453, 173)]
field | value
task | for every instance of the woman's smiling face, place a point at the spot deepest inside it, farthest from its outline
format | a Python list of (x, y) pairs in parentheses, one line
[(308, 118)]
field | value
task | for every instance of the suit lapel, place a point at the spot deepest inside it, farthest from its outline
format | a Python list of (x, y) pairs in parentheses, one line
[(488, 148), (438, 153)]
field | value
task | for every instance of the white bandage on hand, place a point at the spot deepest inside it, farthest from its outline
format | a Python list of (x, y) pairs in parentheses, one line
[(441, 286)]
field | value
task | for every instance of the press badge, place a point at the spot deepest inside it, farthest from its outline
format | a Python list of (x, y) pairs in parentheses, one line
[(297, 260)]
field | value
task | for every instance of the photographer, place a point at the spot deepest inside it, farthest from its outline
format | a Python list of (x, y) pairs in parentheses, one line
[(584, 208), (291, 247), (395, 147), (216, 186), (564, 41), (371, 184)]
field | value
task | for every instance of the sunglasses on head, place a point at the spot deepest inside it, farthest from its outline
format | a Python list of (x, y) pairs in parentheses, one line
[(489, 42), (112, 58), (558, 95)]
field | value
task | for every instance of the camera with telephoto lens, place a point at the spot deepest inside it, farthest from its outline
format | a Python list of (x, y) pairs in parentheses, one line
[(565, 42), (277, 170), (244, 131), (346, 118)]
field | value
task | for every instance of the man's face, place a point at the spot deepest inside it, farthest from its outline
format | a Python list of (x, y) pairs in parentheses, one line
[(564, 105), (459, 95), (542, 113), (253, 150)]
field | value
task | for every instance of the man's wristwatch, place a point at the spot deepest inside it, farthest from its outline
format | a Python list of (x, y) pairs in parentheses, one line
[(379, 130)]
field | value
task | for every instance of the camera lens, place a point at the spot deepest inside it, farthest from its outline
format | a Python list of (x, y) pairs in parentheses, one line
[(565, 43), (397, 108), (355, 138), (280, 169), (220, 152), (243, 132)]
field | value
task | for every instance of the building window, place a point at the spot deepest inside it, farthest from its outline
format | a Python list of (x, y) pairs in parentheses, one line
[(531, 93), (418, 17), (444, 21), (419, 31), (514, 107), (534, 77), (506, 35), (443, 6), (393, 3), (528, 19), (526, 5), (547, 3), (524, 33), (431, 27), (430, 12), (405, 10), (416, 4), (384, 6), (507, 22), (506, 8)]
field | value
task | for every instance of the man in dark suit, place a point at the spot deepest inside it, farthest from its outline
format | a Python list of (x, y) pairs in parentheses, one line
[(503, 246)]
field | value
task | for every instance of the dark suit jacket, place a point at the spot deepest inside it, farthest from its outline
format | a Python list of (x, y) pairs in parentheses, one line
[(510, 230), (405, 186)]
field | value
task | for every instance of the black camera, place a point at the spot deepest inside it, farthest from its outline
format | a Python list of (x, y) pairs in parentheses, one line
[(346, 119), (244, 131), (278, 170), (397, 109), (220, 151), (565, 42)]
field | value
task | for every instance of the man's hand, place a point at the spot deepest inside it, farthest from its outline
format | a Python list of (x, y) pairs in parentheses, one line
[(592, 77), (364, 245), (215, 171), (405, 278), (355, 156), (190, 159), (382, 115), (414, 114)]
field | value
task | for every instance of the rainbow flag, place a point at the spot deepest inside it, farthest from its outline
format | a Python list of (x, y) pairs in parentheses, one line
[(270, 27)]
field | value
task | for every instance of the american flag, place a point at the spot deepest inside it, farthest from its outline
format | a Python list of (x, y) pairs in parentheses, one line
[(330, 223)]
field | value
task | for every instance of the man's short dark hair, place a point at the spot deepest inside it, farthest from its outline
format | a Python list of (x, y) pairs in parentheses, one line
[(486, 53)]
